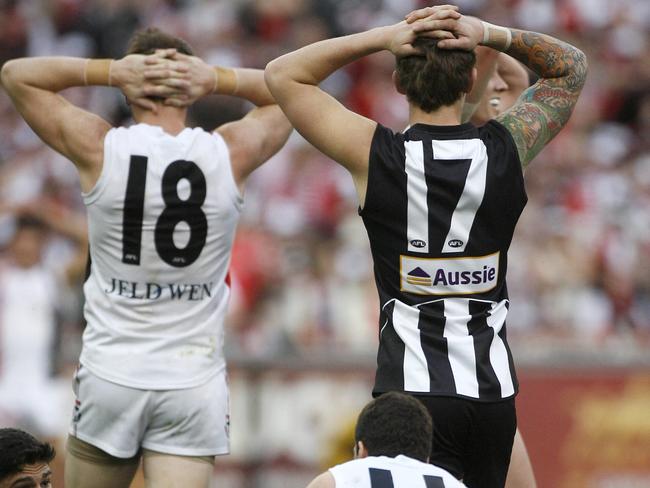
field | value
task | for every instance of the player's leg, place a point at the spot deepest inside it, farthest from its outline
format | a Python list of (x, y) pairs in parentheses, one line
[(188, 428), (452, 430), (520, 472), (107, 425), (169, 471), (89, 467), (488, 454)]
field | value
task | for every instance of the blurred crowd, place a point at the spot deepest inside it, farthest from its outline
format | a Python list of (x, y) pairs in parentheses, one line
[(579, 268)]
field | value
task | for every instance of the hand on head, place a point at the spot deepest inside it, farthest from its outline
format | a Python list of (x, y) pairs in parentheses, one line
[(445, 22), (174, 78), (432, 22), (178, 78)]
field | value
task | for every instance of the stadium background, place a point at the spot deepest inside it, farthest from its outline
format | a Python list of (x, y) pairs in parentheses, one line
[(302, 329)]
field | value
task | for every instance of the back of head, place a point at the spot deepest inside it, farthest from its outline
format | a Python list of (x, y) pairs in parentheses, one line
[(148, 40), (437, 78), (19, 449), (395, 424)]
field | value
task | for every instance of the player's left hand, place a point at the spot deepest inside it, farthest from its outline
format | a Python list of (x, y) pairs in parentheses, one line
[(181, 79), (403, 34), (465, 32), (427, 12)]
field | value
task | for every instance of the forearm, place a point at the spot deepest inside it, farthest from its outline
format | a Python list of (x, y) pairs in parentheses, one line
[(547, 57), (250, 85), (544, 108), (46, 73), (312, 64)]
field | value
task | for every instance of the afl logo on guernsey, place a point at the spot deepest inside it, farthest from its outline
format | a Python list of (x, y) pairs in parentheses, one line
[(455, 243), (418, 243)]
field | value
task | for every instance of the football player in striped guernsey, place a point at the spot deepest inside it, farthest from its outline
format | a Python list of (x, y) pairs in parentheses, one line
[(440, 202), (392, 445), (163, 201), (500, 81)]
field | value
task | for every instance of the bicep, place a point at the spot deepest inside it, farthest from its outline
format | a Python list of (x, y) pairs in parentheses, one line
[(254, 139), (69, 130), (341, 134)]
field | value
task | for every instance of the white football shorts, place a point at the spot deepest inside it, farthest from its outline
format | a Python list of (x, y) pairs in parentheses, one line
[(119, 420)]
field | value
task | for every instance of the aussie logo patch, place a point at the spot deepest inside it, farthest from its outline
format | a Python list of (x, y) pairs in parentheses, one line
[(452, 276)]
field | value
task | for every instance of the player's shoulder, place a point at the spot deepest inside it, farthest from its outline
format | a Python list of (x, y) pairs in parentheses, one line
[(355, 469), (496, 132), (386, 135), (499, 140), (386, 148), (429, 470)]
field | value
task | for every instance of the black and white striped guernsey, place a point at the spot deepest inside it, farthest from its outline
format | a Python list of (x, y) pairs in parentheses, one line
[(441, 207), (388, 472)]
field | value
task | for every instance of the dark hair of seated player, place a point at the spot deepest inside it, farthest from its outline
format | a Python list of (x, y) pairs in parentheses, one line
[(19, 449), (395, 424)]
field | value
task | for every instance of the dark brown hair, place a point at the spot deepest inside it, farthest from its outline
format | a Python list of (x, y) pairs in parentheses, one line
[(437, 78), (19, 449), (148, 40), (395, 424)]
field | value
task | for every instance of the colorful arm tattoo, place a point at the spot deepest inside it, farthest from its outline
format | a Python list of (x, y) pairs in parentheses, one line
[(544, 108)]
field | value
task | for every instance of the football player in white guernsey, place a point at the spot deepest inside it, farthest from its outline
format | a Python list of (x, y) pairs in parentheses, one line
[(440, 202), (392, 442), (163, 202), (24, 460)]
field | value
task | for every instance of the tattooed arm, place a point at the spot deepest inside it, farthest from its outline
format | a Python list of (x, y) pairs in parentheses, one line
[(544, 108)]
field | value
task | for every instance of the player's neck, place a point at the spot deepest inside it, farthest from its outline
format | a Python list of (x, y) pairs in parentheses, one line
[(170, 119), (445, 115)]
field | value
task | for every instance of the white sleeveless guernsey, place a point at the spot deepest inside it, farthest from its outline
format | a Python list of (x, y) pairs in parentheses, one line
[(387, 472), (161, 223)]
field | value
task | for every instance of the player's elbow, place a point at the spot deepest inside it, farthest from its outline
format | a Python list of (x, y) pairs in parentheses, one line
[(577, 70), (8, 74), (274, 74), (582, 66)]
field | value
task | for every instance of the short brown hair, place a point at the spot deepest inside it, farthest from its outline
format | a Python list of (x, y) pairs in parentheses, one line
[(437, 78), (394, 424), (19, 449), (148, 40)]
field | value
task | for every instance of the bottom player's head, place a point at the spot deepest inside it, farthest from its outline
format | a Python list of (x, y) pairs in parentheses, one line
[(437, 78), (24, 460), (507, 82), (394, 424)]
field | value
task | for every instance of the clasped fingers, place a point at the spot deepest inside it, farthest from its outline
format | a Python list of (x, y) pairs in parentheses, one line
[(436, 12)]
